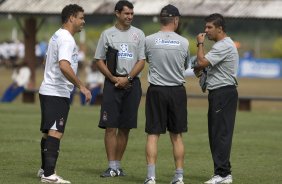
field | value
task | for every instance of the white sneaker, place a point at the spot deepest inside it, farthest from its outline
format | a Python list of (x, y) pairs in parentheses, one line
[(218, 179), (40, 173), (178, 181), (150, 181), (53, 179)]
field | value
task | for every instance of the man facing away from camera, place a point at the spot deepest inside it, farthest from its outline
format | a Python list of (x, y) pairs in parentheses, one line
[(54, 93), (122, 88), (166, 101), (221, 64)]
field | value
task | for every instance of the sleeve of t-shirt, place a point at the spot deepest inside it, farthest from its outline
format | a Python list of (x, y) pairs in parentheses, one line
[(217, 54), (141, 47), (66, 48), (101, 47)]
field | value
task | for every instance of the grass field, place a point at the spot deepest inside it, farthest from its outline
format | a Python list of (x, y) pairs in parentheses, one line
[(256, 153)]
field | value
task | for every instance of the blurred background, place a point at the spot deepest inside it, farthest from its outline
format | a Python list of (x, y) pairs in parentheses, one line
[(254, 25)]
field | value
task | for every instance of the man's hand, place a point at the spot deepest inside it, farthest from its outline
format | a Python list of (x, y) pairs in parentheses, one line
[(87, 94), (201, 37), (122, 83)]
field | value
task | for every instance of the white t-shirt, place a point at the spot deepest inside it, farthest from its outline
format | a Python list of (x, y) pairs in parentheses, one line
[(22, 76), (94, 78), (61, 46)]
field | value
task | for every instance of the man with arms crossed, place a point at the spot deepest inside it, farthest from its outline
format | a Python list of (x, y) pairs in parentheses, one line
[(222, 64), (166, 101), (122, 90), (54, 93)]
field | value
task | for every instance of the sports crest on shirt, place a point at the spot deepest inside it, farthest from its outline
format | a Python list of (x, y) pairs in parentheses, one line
[(135, 37), (124, 51)]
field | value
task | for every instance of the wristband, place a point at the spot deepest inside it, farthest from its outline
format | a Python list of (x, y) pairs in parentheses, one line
[(199, 44)]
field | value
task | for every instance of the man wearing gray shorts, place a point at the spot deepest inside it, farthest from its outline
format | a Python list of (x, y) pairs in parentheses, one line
[(221, 64), (166, 101)]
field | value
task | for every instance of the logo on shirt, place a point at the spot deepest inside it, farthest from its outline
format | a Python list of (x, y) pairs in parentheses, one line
[(160, 41), (74, 57), (54, 37), (124, 53), (135, 36)]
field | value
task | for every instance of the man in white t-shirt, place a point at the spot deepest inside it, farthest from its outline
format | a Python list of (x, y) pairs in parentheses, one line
[(94, 82), (20, 77), (54, 93)]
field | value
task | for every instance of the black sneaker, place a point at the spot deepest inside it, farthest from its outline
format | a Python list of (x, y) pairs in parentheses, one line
[(120, 172), (109, 173)]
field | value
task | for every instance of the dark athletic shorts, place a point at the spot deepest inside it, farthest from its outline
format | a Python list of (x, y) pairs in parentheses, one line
[(119, 108), (54, 113), (166, 109)]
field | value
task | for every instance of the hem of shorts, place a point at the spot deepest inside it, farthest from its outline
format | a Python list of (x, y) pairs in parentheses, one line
[(104, 127)]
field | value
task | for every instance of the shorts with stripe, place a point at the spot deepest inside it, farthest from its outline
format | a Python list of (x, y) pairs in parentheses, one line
[(166, 109), (54, 113)]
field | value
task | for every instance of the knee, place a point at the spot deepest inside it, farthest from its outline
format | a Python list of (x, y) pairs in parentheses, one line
[(55, 134), (110, 131)]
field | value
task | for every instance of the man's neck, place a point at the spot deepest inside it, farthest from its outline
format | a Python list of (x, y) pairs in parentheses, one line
[(221, 37), (68, 28), (122, 27), (167, 28)]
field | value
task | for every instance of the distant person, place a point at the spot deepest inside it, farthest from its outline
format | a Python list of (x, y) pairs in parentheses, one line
[(40, 52), (221, 63), (54, 93), (94, 82), (249, 54), (122, 88), (166, 101), (21, 76)]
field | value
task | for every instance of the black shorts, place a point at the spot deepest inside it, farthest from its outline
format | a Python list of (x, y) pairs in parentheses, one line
[(54, 113), (119, 108), (166, 109)]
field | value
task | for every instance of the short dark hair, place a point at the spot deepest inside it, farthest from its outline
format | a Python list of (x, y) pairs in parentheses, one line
[(217, 19), (120, 4), (70, 10), (166, 20)]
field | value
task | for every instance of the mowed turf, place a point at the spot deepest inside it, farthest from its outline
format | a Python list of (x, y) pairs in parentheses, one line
[(256, 153)]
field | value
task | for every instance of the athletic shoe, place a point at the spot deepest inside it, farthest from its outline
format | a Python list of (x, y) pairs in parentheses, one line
[(53, 179), (228, 179), (218, 179), (109, 173), (40, 173), (150, 181), (178, 181), (120, 172)]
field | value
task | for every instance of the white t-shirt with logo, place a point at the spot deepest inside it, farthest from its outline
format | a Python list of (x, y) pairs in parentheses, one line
[(61, 46)]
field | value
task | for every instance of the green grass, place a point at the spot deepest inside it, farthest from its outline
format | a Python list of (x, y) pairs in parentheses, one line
[(256, 153)]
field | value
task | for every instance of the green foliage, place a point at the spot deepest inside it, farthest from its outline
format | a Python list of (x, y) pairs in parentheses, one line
[(82, 154), (277, 48), (251, 34)]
